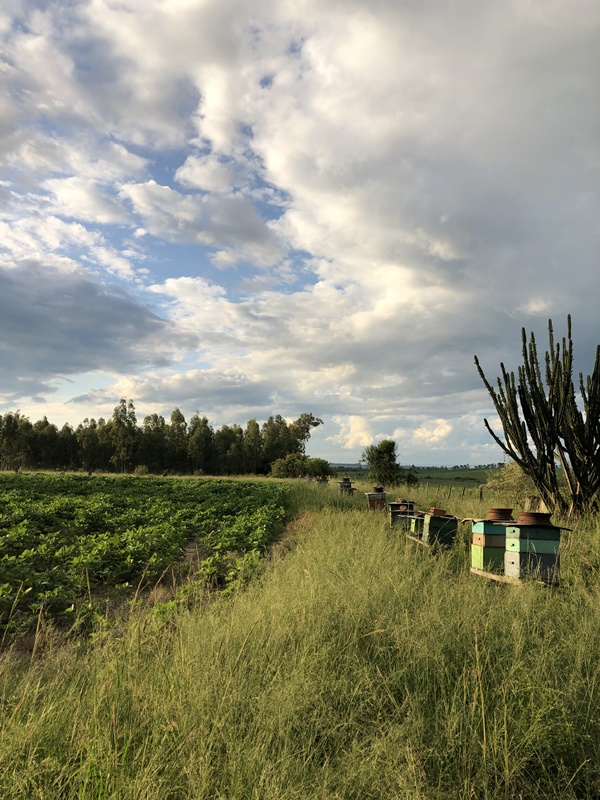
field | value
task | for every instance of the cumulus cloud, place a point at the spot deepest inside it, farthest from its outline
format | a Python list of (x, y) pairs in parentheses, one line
[(214, 221), (340, 202), (57, 322), (434, 433)]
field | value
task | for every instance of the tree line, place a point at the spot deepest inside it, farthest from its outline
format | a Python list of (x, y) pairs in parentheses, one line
[(120, 444)]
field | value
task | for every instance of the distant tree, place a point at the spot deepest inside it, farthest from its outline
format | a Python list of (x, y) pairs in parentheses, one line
[(277, 441), (89, 445), (104, 429), (301, 428), (177, 442), (44, 444), (124, 436), (318, 468), (15, 440), (382, 463), (294, 465), (68, 448), (201, 445), (280, 438), (229, 450), (153, 444), (253, 445)]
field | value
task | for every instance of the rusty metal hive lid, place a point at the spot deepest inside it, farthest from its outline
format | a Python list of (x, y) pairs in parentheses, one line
[(499, 514), (534, 518)]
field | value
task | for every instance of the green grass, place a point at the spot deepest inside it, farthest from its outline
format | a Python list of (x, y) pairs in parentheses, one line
[(358, 665)]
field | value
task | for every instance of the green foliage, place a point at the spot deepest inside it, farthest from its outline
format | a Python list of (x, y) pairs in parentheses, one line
[(511, 482), (318, 468), (546, 427), (120, 445), (383, 467), (382, 463), (294, 465), (64, 537), (297, 465), (359, 666)]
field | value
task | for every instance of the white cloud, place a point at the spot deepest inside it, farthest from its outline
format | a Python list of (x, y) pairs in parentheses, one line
[(206, 173), (214, 221), (81, 199), (435, 432), (342, 201), (355, 432)]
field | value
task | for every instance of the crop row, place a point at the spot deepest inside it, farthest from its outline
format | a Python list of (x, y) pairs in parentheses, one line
[(64, 540)]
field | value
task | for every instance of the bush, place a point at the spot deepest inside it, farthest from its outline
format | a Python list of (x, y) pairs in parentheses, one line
[(511, 482)]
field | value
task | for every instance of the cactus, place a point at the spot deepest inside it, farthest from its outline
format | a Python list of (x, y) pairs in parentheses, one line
[(548, 431)]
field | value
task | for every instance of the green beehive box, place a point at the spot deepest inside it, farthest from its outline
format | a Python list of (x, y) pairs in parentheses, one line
[(416, 526), (485, 526), (439, 529), (532, 546), (490, 559), (539, 566), (400, 520), (547, 532)]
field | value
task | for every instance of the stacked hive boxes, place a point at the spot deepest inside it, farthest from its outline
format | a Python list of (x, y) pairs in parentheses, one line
[(488, 546), (528, 547), (401, 513), (532, 550)]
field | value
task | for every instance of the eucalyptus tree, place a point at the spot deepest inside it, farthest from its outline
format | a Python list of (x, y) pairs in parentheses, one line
[(15, 440), (177, 442), (229, 450), (124, 435), (44, 445), (253, 445), (90, 449), (201, 445), (551, 429), (153, 443)]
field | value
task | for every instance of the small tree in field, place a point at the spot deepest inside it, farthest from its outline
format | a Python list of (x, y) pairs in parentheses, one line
[(553, 435), (382, 463)]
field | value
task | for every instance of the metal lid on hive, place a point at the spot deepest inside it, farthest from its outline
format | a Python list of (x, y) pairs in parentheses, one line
[(534, 518), (499, 515), (437, 512)]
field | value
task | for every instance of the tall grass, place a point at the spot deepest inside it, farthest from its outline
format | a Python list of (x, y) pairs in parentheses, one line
[(359, 665)]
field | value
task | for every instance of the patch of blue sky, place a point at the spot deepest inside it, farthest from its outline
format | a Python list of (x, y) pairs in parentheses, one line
[(161, 164), (167, 260), (83, 384)]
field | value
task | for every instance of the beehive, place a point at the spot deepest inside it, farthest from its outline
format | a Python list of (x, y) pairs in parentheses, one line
[(439, 529), (376, 501), (401, 512), (533, 551), (488, 546), (416, 526)]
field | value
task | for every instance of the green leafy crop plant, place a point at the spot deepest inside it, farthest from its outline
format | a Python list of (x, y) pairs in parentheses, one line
[(67, 540)]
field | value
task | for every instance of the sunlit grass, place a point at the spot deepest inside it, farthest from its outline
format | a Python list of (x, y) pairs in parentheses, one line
[(358, 665)]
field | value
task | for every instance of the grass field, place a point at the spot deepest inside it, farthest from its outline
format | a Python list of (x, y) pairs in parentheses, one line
[(357, 665)]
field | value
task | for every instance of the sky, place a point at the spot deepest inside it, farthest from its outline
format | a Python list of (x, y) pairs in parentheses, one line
[(245, 207)]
